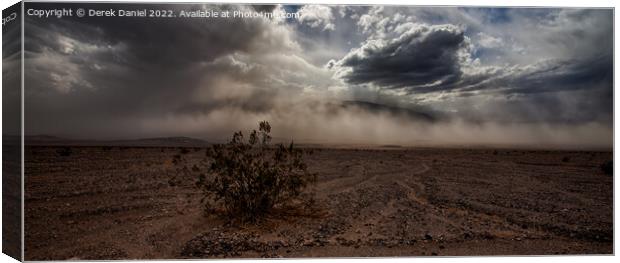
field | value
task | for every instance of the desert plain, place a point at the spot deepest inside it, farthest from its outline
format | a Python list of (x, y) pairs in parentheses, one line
[(122, 202)]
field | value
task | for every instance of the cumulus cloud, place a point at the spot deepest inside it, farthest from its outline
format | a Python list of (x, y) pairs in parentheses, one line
[(488, 41), (317, 16)]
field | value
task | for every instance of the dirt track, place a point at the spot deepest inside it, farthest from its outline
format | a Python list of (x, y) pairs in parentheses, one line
[(129, 203)]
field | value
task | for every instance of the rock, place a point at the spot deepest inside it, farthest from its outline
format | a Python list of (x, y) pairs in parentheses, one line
[(307, 243), (428, 237)]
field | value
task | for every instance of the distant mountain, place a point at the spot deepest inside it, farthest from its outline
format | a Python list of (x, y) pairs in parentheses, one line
[(146, 142), (42, 138), (173, 141), (396, 111)]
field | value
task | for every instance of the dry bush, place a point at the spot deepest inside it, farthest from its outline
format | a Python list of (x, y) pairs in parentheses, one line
[(248, 178), (64, 151), (608, 167)]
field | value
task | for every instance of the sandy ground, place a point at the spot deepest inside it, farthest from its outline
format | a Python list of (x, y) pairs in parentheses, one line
[(129, 203)]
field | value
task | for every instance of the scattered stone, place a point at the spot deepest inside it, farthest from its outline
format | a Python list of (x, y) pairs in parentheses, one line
[(216, 243), (307, 243)]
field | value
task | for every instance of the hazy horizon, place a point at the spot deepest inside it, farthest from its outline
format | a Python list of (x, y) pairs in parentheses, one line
[(375, 75)]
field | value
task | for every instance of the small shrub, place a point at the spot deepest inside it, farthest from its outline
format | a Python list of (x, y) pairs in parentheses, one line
[(64, 151), (176, 159), (184, 151), (566, 159), (608, 167), (250, 178)]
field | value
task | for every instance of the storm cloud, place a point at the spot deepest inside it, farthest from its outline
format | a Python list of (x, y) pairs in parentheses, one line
[(481, 76), (420, 56)]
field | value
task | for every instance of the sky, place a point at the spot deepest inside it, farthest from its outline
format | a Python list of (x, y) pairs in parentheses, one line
[(335, 74)]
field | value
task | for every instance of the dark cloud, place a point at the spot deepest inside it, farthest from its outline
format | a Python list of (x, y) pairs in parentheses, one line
[(264, 8), (555, 91), (563, 75), (151, 42), (439, 62), (423, 55), (91, 70), (11, 72), (430, 58)]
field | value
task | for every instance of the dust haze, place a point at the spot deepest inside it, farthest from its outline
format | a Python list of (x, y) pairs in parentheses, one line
[(333, 124)]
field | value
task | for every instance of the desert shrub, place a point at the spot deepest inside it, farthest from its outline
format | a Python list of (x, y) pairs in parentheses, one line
[(184, 151), (248, 178), (608, 167), (64, 151), (566, 159), (176, 159)]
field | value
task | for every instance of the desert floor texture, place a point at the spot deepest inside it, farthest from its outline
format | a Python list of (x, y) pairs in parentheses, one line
[(129, 203)]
